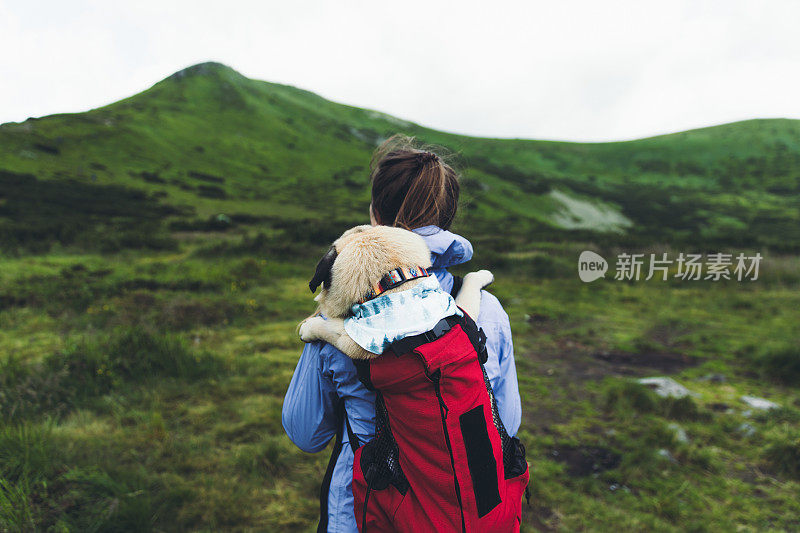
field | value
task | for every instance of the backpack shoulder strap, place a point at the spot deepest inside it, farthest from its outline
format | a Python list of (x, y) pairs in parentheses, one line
[(409, 344), (351, 435), (476, 336), (340, 413), (362, 369), (457, 282)]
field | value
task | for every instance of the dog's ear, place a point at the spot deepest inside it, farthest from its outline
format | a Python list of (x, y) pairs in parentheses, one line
[(323, 272)]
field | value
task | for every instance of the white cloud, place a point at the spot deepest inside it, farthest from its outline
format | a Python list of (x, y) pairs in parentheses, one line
[(575, 70)]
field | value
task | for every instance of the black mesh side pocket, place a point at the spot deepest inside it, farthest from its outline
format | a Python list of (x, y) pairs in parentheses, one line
[(512, 447), (380, 457), (514, 461)]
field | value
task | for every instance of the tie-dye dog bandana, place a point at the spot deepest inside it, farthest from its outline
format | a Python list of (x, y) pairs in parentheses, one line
[(377, 323)]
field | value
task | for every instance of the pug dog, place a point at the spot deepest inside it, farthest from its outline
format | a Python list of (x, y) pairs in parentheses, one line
[(362, 264)]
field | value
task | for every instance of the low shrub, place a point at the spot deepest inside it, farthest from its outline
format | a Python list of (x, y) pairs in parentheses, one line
[(132, 354), (27, 390), (622, 396), (263, 245), (27, 452), (783, 455), (39, 213), (682, 409), (781, 365), (779, 415), (181, 313), (82, 499), (95, 366), (272, 456), (627, 395)]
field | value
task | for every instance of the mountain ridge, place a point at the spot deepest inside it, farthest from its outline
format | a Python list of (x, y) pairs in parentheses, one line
[(215, 68), (277, 151)]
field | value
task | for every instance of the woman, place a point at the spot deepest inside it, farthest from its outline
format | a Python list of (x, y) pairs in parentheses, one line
[(416, 190)]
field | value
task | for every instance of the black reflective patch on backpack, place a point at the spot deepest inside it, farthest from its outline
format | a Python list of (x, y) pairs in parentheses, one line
[(480, 459)]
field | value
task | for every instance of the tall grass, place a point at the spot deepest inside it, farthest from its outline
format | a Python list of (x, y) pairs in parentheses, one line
[(16, 514), (95, 365)]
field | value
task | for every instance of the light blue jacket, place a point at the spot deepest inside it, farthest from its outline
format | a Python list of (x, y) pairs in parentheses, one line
[(324, 374)]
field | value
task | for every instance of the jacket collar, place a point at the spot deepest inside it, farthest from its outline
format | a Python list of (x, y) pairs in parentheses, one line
[(447, 249)]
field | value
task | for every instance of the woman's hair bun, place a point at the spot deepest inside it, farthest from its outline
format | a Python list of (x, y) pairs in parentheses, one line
[(427, 157), (412, 186)]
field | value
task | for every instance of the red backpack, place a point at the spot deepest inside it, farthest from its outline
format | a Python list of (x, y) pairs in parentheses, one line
[(441, 459)]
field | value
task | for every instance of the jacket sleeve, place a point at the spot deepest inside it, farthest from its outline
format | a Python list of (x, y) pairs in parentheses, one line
[(509, 404), (502, 371), (308, 414)]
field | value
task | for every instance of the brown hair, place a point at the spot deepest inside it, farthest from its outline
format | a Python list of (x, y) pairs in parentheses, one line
[(412, 187)]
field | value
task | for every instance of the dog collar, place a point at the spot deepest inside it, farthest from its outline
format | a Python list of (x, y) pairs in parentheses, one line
[(392, 279)]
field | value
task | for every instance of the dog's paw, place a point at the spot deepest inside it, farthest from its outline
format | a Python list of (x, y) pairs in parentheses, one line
[(481, 278), (310, 328)]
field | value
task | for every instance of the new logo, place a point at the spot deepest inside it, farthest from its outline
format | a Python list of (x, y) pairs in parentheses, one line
[(591, 266)]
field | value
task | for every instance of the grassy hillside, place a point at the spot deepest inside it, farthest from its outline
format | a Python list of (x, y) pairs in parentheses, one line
[(155, 259), (207, 140)]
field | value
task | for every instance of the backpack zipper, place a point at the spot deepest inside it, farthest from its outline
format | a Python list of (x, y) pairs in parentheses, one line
[(443, 410)]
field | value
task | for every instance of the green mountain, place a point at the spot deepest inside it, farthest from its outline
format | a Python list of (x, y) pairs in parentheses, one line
[(208, 141), (143, 390)]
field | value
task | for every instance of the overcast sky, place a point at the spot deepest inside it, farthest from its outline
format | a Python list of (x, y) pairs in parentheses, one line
[(582, 70)]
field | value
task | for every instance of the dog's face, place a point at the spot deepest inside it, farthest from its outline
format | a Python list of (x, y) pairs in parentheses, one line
[(358, 259)]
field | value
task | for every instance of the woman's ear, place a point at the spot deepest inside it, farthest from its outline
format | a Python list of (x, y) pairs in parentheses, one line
[(372, 218)]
